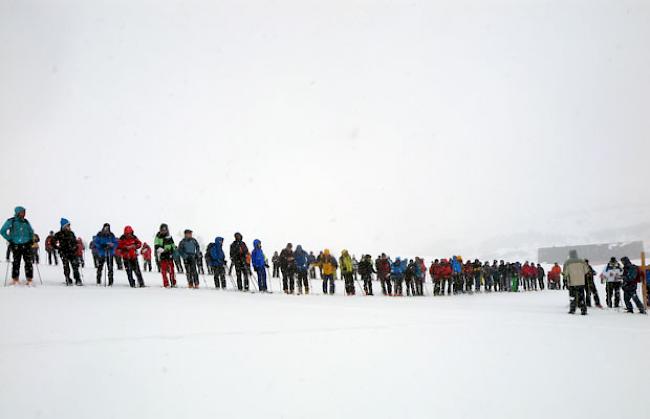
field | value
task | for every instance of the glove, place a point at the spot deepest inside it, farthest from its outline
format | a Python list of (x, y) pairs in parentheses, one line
[(159, 252), (266, 265)]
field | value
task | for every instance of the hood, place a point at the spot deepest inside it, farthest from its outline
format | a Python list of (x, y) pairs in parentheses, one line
[(18, 210), (218, 241), (299, 248), (326, 252), (344, 252), (573, 254), (257, 243), (128, 230)]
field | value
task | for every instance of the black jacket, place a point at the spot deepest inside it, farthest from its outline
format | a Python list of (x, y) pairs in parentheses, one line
[(66, 243)]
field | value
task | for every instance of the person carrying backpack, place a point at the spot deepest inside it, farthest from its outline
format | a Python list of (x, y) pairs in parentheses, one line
[(66, 243), (632, 275), (218, 262), (19, 233), (188, 248), (128, 246), (106, 245)]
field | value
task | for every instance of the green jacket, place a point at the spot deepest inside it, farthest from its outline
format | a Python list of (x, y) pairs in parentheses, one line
[(345, 262), (166, 245)]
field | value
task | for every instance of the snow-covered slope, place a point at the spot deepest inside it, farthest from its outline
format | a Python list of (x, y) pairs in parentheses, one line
[(85, 352)]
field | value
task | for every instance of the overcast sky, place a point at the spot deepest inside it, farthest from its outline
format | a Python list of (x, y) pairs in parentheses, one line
[(406, 126)]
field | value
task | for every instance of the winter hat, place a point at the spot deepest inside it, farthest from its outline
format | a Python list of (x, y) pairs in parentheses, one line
[(573, 254), (106, 225), (64, 222), (163, 225), (187, 231), (18, 210)]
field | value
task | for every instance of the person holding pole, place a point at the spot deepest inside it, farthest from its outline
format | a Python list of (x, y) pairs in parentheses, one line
[(19, 233)]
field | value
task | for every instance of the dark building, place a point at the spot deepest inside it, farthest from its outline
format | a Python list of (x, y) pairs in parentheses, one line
[(596, 253)]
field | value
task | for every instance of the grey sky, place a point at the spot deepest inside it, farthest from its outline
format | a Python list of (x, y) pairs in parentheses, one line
[(409, 126)]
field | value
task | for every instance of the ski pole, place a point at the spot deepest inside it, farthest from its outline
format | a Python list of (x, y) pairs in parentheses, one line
[(39, 273), (254, 281), (6, 274), (359, 284), (270, 279)]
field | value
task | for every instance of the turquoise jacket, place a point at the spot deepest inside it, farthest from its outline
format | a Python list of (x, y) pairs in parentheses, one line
[(16, 230)]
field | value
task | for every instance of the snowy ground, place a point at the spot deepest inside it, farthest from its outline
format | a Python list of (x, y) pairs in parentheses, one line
[(89, 352)]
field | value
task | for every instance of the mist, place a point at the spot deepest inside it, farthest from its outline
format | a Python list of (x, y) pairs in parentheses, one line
[(410, 127)]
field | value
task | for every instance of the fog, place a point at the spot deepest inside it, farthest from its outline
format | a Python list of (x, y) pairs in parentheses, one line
[(412, 127)]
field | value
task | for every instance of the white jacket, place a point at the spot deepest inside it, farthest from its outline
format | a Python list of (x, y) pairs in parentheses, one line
[(613, 274)]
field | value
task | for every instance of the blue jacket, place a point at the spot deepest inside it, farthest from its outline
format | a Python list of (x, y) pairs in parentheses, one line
[(397, 268), (102, 241), (257, 257), (301, 259), (217, 257), (456, 266), (16, 230), (188, 248)]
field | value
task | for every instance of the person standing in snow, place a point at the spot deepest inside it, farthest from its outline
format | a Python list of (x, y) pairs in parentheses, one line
[(409, 277), (456, 274), (613, 276), (275, 261), (258, 261), (347, 272), (575, 271), (397, 271), (288, 268), (106, 244), (540, 276), (66, 244), (366, 270), (176, 257), (199, 262), (301, 259), (218, 262), (128, 246), (80, 252), (19, 233), (327, 265), (49, 248), (311, 260), (188, 248), (164, 248), (383, 274), (146, 257), (238, 255), (93, 251), (355, 267), (36, 248), (590, 287), (631, 277)]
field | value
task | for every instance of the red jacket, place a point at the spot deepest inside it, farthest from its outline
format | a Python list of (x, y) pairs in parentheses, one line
[(80, 247), (445, 270), (128, 244), (528, 271), (383, 267), (146, 252)]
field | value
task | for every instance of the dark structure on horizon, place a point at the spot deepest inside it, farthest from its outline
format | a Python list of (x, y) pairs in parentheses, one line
[(596, 253)]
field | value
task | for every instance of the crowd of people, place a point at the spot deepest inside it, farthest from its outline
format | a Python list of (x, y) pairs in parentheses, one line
[(296, 268)]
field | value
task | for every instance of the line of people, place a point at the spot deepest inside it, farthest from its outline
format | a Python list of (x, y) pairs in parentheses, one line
[(397, 278)]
